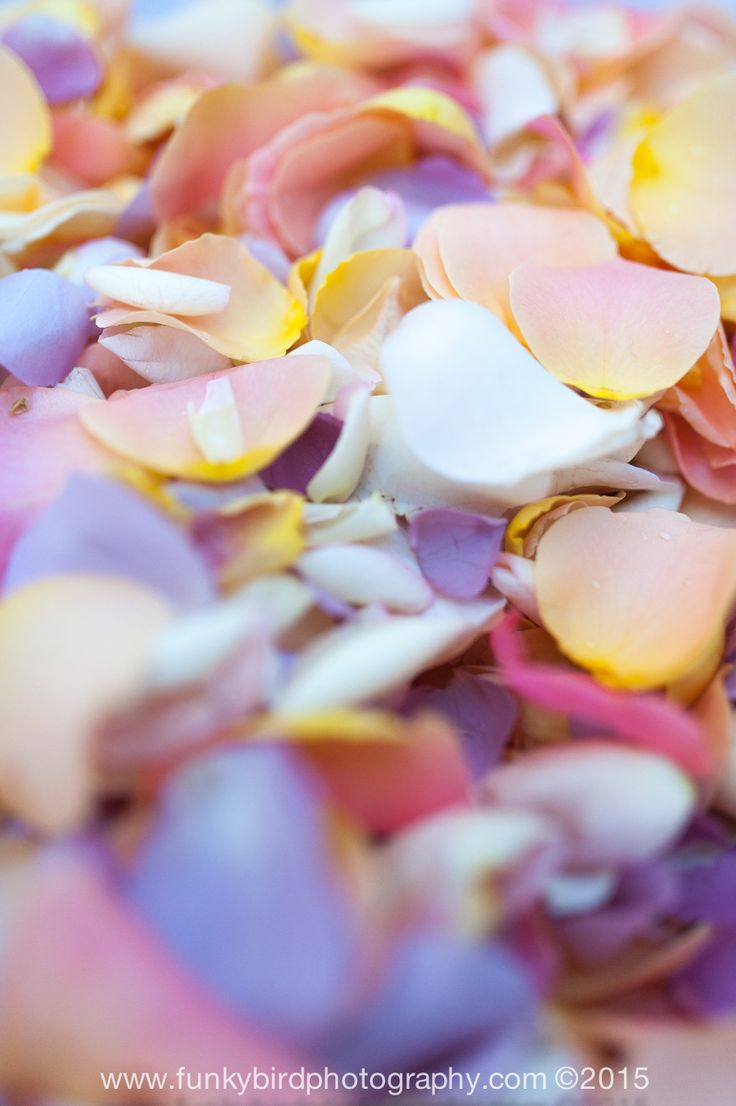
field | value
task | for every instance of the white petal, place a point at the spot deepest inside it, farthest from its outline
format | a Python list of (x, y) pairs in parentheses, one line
[(475, 407), (339, 475), (362, 576), (367, 659), (513, 88), (158, 290)]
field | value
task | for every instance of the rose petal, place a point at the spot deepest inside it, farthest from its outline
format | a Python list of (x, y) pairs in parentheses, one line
[(597, 571), (259, 320), (74, 648), (617, 330), (273, 401), (159, 290), (26, 136), (44, 326), (474, 407), (62, 60), (615, 805), (680, 193), (470, 251), (456, 550), (99, 526)]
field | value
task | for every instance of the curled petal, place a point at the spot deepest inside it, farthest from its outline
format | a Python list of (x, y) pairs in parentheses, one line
[(257, 320), (474, 407)]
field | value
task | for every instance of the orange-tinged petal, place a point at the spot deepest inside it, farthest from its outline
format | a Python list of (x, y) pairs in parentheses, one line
[(73, 649), (273, 401), (230, 122), (616, 330), (640, 599), (25, 138), (682, 188), (472, 249), (258, 321)]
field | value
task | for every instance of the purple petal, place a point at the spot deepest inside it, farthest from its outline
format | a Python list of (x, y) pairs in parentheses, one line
[(484, 714), (238, 877), (62, 61), (98, 525), (645, 894), (708, 888), (707, 986), (44, 326), (296, 466), (441, 997), (456, 550)]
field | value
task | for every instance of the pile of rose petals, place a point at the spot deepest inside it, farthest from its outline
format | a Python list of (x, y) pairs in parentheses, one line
[(368, 542)]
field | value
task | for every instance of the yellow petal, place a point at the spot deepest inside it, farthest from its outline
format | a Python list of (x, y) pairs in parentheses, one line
[(25, 135), (682, 187)]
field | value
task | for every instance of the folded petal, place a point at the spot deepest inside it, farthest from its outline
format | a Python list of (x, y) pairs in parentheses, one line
[(323, 154), (230, 122), (259, 319), (161, 354)]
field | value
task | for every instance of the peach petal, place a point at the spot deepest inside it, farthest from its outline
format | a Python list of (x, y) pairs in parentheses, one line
[(617, 330), (384, 784), (261, 319), (274, 401), (230, 122), (681, 193), (597, 571), (282, 189), (470, 251), (73, 649), (26, 133)]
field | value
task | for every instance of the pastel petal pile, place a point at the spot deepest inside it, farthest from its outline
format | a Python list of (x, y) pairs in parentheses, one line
[(367, 551)]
